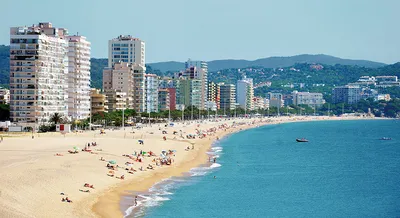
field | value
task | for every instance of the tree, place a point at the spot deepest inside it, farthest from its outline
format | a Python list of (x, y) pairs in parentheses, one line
[(56, 118), (4, 112)]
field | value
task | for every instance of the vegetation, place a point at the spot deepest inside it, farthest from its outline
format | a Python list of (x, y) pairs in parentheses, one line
[(4, 112), (56, 118), (271, 62)]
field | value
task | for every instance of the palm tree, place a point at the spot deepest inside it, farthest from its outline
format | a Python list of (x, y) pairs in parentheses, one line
[(56, 118)]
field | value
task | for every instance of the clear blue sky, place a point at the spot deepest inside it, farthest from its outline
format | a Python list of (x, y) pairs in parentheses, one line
[(223, 29)]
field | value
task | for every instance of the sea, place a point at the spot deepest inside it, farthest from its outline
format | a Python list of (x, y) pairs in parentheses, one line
[(345, 170)]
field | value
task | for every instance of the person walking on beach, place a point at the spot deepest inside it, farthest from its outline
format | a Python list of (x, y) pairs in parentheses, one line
[(136, 200), (215, 159)]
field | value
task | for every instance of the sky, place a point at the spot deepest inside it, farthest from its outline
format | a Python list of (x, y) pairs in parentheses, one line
[(175, 30)]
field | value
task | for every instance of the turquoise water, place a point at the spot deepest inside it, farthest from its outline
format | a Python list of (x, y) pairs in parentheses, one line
[(344, 171)]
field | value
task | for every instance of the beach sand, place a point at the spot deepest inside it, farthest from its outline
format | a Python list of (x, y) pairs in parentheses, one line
[(32, 176)]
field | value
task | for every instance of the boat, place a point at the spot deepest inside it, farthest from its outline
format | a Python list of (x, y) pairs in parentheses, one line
[(385, 138), (301, 140)]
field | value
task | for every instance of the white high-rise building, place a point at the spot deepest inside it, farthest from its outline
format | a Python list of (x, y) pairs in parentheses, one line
[(126, 49), (38, 73), (151, 87), (78, 77), (245, 93)]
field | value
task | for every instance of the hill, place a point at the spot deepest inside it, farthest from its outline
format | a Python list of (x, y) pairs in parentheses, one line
[(271, 62), (355, 68)]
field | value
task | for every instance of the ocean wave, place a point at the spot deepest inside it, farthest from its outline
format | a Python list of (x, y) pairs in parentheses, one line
[(158, 192), (201, 171), (216, 148)]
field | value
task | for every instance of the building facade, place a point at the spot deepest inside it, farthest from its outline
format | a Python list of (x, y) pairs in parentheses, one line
[(126, 49), (346, 94), (245, 93), (78, 77), (163, 100), (128, 78), (116, 100), (387, 81), (38, 73), (227, 96), (190, 92), (151, 89), (198, 70), (260, 103), (307, 98), (4, 96), (275, 99), (99, 103), (172, 98), (214, 94)]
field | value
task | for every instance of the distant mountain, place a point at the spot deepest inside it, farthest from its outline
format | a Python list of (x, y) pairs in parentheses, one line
[(168, 66), (97, 65), (271, 62)]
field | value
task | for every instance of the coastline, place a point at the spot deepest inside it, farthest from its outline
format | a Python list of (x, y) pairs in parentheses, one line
[(108, 205), (33, 178)]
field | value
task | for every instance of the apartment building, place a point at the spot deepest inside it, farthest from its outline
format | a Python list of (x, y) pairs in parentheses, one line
[(387, 81), (126, 49), (78, 77), (245, 93), (4, 96), (260, 103), (346, 94), (227, 96), (190, 92), (151, 89), (116, 100), (38, 73), (127, 78), (214, 94), (172, 98), (99, 103), (163, 100), (198, 70), (275, 99), (307, 98)]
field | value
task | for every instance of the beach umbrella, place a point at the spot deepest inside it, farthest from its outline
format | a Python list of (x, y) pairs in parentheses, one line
[(112, 162), (76, 148)]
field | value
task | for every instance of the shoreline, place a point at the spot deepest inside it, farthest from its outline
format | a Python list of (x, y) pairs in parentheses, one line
[(36, 173), (108, 205)]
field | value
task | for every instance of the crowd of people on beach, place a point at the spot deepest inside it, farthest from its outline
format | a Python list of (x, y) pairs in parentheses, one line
[(135, 162)]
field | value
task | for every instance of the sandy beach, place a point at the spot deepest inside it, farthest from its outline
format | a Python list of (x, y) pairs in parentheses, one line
[(33, 179)]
